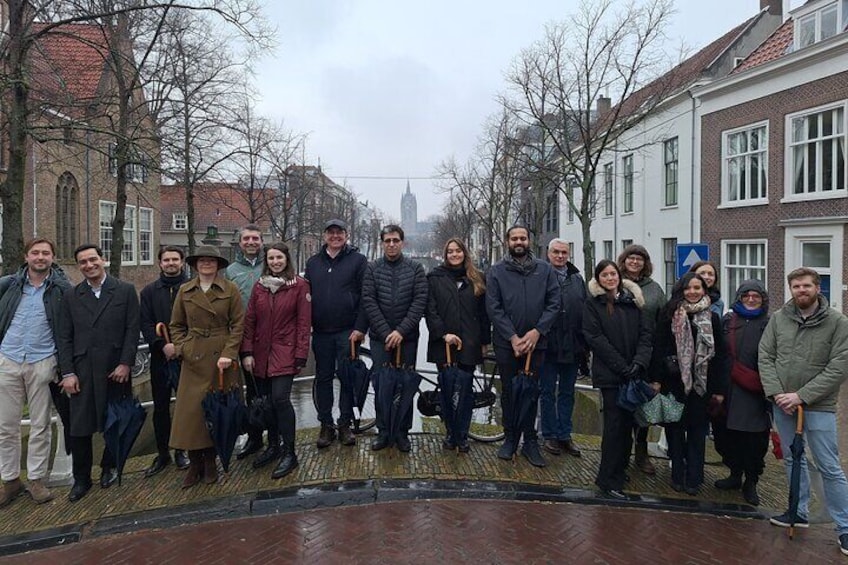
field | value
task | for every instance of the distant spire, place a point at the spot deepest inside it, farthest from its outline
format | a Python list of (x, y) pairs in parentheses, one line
[(408, 190)]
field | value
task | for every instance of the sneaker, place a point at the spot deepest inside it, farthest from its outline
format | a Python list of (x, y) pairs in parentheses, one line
[(785, 520), (843, 543), (39, 491)]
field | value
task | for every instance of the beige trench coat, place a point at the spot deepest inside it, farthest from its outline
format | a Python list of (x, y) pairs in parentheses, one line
[(204, 326)]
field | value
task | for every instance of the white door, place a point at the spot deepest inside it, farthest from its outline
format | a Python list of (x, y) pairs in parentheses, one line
[(820, 248)]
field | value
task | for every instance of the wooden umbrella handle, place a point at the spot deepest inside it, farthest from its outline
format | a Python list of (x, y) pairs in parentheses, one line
[(220, 378), (397, 356), (527, 363), (352, 350), (799, 423), (448, 353), (162, 331)]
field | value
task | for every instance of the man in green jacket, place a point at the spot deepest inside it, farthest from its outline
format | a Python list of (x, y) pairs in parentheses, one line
[(803, 361)]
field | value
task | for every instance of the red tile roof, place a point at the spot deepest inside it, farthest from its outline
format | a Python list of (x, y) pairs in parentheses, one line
[(224, 205), (772, 48)]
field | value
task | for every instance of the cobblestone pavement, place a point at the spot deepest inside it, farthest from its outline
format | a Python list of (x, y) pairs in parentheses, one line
[(460, 531)]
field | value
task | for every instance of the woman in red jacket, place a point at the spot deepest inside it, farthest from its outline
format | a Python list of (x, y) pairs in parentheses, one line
[(275, 347)]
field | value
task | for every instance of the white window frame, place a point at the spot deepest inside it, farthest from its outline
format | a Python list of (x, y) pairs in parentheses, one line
[(609, 190), (671, 167), (145, 253), (813, 13), (136, 166), (627, 189), (131, 253), (789, 177), (762, 153), (177, 218), (727, 267)]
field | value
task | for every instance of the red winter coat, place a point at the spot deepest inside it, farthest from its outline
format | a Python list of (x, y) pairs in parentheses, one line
[(276, 328)]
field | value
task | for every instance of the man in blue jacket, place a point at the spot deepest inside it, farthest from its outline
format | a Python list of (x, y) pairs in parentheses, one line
[(335, 275), (522, 298)]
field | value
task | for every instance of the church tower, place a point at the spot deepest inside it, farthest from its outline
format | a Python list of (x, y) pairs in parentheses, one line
[(409, 211)]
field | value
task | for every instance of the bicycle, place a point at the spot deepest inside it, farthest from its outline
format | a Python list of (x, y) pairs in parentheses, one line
[(486, 416)]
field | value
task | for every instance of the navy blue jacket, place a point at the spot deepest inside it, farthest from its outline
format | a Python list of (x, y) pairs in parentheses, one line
[(565, 340), (337, 290), (521, 298)]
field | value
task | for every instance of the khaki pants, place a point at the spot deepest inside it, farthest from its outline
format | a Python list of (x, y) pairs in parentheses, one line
[(30, 382)]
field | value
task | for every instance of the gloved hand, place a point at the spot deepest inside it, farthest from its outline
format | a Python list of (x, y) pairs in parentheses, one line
[(634, 371), (299, 363)]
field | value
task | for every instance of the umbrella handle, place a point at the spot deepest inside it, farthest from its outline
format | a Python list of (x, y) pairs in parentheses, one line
[(448, 353), (352, 351), (527, 363), (162, 331), (220, 378), (397, 356), (799, 424)]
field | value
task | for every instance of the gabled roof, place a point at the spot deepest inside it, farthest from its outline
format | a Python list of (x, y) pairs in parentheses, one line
[(772, 48), (223, 205)]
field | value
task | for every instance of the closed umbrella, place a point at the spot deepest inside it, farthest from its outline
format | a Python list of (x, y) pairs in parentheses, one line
[(124, 419), (386, 380), (224, 413), (172, 366), (525, 397), (406, 388), (353, 376), (455, 386), (797, 449)]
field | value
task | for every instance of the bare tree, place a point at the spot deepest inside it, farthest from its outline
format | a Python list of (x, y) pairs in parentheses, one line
[(601, 52)]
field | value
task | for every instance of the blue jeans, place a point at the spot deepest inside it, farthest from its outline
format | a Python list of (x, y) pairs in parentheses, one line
[(557, 403), (328, 349), (820, 435)]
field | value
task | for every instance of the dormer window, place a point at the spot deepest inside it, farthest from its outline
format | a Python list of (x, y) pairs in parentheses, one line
[(817, 21)]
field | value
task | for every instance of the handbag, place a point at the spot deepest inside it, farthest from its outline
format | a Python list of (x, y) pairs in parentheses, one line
[(633, 394), (661, 409)]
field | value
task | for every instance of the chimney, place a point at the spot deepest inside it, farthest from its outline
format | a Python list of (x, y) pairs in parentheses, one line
[(775, 7), (603, 106)]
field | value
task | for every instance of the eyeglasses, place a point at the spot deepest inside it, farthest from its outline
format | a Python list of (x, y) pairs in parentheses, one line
[(392, 241), (752, 296), (636, 258)]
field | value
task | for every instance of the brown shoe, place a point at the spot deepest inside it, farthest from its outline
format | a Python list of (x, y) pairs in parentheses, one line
[(210, 467), (39, 491), (195, 468), (568, 446), (642, 462), (346, 436), (326, 436), (552, 447), (11, 490)]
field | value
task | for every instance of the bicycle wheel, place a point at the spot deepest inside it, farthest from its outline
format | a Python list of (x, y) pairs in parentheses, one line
[(486, 417), (368, 414), (142, 363)]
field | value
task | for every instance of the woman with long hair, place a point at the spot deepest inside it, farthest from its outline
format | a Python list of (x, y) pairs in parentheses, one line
[(618, 334), (709, 272), (689, 361), (456, 318), (275, 348)]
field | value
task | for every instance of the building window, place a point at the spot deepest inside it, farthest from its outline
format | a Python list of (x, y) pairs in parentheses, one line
[(625, 243), (745, 165), (608, 190), (670, 153), (669, 263), (593, 199), (145, 235), (179, 221), (128, 252), (67, 225), (817, 153), (138, 233), (552, 214), (136, 166), (743, 260), (819, 24), (107, 215), (608, 249), (628, 184), (570, 203)]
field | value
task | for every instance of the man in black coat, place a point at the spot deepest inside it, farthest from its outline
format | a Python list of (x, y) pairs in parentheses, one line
[(98, 342), (522, 299), (335, 276), (394, 296), (157, 301), (566, 350)]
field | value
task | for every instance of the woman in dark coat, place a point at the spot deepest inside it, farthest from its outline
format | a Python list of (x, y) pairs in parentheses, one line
[(689, 361), (206, 327), (275, 348), (456, 316), (748, 420), (619, 336)]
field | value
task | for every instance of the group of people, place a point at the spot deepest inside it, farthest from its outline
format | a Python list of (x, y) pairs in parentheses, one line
[(252, 321)]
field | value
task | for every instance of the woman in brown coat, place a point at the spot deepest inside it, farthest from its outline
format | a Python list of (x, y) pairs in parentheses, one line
[(206, 328)]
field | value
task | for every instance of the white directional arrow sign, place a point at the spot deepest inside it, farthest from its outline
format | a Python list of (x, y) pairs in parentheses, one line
[(691, 259)]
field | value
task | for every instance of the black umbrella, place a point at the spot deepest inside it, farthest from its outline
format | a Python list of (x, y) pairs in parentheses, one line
[(525, 396), (124, 419), (353, 376), (386, 379), (260, 408), (455, 386), (172, 366), (797, 449), (405, 390), (63, 408), (224, 413)]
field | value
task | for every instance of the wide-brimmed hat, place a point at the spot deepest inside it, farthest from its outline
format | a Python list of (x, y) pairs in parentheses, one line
[(207, 251)]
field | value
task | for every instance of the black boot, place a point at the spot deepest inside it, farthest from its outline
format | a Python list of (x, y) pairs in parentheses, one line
[(270, 454), (749, 491), (507, 450), (288, 463), (733, 482), (530, 450)]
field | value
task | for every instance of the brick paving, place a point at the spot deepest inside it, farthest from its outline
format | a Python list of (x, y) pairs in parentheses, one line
[(460, 531)]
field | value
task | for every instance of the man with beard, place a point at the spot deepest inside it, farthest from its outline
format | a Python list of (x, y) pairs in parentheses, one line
[(522, 299), (157, 301), (98, 342), (30, 309), (803, 360)]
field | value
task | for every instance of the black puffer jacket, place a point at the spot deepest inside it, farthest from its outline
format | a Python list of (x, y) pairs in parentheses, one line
[(616, 339), (336, 284), (394, 295), (453, 308), (565, 340)]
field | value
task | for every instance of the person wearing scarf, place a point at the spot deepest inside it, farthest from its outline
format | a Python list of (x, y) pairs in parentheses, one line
[(689, 361), (743, 439), (275, 347)]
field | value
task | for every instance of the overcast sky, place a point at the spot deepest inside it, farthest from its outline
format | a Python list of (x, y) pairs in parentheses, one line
[(391, 88)]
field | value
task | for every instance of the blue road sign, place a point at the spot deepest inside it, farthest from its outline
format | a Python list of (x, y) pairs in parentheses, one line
[(690, 253)]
